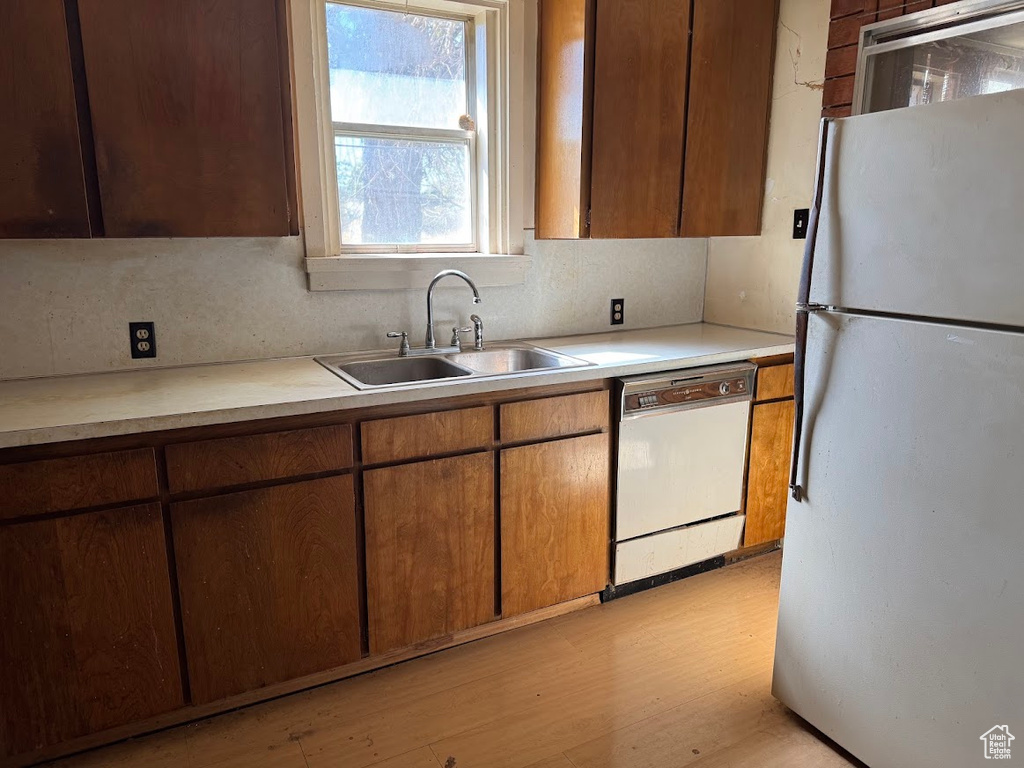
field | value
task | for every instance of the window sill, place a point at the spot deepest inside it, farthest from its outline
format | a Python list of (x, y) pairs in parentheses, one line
[(396, 272)]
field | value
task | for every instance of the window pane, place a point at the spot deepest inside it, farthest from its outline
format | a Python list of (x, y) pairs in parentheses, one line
[(402, 192), (988, 61), (393, 68)]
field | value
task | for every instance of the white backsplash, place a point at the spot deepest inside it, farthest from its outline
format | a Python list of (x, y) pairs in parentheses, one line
[(65, 305)]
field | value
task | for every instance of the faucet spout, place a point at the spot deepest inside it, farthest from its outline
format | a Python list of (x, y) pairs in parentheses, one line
[(430, 342)]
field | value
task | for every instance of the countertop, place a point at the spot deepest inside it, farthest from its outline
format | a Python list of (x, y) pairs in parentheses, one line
[(49, 410)]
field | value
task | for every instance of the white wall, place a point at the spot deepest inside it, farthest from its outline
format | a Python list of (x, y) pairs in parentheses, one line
[(752, 281), (65, 305)]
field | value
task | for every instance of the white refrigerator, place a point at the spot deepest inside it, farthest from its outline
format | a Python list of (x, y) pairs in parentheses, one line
[(901, 615)]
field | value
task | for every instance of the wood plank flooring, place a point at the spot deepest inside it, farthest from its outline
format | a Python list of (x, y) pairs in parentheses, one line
[(676, 676)]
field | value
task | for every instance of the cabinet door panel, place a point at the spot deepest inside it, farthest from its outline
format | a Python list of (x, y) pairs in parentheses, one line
[(429, 549), (771, 443), (188, 116), (268, 585), (42, 183), (730, 100), (87, 639), (641, 57), (554, 522)]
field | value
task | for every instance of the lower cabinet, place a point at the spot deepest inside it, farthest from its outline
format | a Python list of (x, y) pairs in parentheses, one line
[(269, 585), (87, 638), (430, 530), (554, 522), (771, 443)]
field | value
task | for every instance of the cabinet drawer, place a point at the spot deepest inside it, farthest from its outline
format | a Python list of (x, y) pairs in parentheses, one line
[(774, 383), (61, 485), (427, 434), (249, 459), (554, 417)]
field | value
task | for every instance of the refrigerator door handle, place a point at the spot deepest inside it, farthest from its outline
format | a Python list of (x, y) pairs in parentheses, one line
[(805, 307)]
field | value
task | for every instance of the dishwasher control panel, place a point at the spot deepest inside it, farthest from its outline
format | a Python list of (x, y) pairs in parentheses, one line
[(694, 388)]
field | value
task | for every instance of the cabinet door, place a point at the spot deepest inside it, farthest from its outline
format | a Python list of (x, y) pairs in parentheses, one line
[(640, 75), (730, 101), (268, 585), (188, 116), (564, 101), (771, 447), (429, 549), (554, 522), (87, 639), (42, 185)]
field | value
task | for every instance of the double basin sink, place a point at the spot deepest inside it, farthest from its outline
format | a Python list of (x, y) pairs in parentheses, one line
[(369, 370)]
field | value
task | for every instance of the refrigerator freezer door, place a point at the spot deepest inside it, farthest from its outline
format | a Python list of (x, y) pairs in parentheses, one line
[(923, 212), (901, 616)]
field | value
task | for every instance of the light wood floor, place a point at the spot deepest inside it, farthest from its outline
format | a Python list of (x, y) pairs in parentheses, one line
[(676, 676)]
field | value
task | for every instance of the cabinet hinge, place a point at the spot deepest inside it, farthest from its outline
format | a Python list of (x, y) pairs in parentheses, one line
[(587, 218)]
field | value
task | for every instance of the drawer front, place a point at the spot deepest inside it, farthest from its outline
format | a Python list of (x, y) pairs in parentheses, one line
[(62, 485), (774, 383), (554, 417), (427, 434), (254, 458)]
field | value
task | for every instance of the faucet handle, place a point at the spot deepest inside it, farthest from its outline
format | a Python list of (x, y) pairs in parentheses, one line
[(478, 332), (403, 347), (456, 339)]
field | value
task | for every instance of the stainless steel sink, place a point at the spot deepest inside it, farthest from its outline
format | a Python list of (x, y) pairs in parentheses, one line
[(509, 359), (399, 370), (371, 370)]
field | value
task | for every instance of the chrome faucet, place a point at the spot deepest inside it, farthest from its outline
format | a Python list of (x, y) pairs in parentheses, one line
[(430, 343)]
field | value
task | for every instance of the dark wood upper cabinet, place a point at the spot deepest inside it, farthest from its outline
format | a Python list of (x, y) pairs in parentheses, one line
[(42, 183), (655, 120), (188, 112), (640, 71), (730, 99)]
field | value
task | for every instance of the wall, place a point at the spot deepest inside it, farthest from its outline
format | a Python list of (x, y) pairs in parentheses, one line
[(65, 305), (752, 281)]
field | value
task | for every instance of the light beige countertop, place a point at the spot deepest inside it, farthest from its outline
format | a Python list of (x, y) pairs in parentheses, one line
[(36, 411)]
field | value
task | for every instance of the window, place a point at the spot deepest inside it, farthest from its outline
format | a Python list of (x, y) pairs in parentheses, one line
[(411, 139), (948, 53), (403, 103)]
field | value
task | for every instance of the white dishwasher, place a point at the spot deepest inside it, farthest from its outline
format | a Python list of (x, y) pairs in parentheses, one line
[(681, 455)]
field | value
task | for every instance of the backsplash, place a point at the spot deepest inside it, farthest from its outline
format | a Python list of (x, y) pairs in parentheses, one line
[(65, 305)]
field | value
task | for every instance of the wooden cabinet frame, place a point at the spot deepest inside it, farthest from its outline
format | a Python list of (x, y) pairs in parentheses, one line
[(313, 461)]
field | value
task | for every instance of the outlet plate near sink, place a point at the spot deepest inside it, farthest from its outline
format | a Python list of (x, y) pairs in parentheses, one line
[(375, 370)]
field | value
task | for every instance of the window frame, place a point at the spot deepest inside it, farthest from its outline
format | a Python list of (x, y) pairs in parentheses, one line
[(926, 26), (436, 135)]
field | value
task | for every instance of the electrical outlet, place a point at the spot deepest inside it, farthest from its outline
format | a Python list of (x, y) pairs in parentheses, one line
[(801, 217), (143, 339), (618, 311)]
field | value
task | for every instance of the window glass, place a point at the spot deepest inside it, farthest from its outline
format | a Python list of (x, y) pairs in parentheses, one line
[(393, 68), (403, 192)]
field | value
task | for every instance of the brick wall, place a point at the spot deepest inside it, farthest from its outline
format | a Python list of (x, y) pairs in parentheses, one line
[(848, 16)]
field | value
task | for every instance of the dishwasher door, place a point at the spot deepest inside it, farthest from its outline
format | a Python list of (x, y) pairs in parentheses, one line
[(680, 467)]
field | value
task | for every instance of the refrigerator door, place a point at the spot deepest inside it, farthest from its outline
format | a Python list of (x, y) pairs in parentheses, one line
[(922, 212), (901, 616)]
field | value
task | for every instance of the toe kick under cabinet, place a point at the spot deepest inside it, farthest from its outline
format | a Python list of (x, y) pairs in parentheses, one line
[(148, 580)]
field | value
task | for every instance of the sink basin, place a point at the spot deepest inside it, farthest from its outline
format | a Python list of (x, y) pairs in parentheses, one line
[(513, 360), (400, 370), (368, 370)]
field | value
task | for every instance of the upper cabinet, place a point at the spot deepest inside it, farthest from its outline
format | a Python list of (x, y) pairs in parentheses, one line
[(730, 99), (42, 184), (652, 117), (187, 108), (145, 118), (641, 61)]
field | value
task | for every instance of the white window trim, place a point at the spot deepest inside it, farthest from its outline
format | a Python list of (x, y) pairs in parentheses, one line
[(500, 260)]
